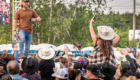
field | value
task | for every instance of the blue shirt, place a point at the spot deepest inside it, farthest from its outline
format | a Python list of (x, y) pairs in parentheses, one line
[(17, 77)]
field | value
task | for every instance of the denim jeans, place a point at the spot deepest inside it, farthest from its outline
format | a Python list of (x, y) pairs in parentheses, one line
[(27, 38), (16, 55)]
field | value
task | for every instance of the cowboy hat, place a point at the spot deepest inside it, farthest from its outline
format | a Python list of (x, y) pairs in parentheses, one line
[(46, 53), (78, 45), (107, 69), (29, 65), (118, 55), (105, 33)]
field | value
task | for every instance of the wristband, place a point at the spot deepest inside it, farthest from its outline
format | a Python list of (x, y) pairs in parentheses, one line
[(14, 30), (125, 54), (35, 19)]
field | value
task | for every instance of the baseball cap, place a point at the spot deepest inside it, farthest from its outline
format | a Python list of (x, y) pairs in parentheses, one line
[(25, 0), (94, 69), (61, 73), (124, 66), (77, 66), (81, 60)]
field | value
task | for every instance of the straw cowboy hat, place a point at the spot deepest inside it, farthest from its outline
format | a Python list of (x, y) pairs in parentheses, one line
[(118, 55), (46, 53), (105, 33)]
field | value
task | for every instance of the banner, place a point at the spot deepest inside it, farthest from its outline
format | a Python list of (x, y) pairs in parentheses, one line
[(5, 12)]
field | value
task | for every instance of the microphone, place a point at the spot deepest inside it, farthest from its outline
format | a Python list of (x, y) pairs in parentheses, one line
[(33, 22)]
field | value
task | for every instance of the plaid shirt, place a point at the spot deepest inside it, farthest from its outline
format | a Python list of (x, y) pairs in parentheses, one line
[(98, 58)]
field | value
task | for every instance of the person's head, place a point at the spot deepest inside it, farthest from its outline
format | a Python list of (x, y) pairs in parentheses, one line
[(60, 59), (124, 67), (129, 78), (65, 61), (13, 67), (25, 4), (106, 34), (70, 61), (56, 59), (29, 65), (77, 66), (92, 71), (74, 74), (107, 69), (61, 74)]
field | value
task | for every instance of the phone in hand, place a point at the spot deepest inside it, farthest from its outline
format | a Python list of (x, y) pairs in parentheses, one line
[(95, 17)]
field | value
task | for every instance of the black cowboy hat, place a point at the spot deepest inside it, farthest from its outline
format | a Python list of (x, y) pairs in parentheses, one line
[(107, 69), (2, 62), (29, 65)]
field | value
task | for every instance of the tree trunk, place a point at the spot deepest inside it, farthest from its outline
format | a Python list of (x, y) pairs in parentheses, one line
[(50, 21)]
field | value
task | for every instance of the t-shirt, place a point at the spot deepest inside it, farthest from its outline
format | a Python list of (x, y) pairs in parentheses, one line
[(32, 77), (1, 75), (46, 68), (24, 17)]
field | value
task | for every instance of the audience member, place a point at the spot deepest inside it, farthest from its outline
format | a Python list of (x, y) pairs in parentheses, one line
[(13, 70), (74, 74), (92, 72), (61, 74), (103, 44), (30, 66), (46, 64), (107, 70)]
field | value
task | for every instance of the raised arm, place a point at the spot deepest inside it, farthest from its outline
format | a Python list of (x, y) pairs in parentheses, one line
[(92, 33), (117, 38)]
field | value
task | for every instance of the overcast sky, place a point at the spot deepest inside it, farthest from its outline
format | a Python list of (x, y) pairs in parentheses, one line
[(123, 5), (118, 5)]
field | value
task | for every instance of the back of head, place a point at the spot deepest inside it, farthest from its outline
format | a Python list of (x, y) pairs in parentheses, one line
[(64, 60), (13, 67), (73, 74), (106, 48), (60, 59)]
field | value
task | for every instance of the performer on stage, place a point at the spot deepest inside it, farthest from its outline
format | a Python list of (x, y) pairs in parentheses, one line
[(25, 16)]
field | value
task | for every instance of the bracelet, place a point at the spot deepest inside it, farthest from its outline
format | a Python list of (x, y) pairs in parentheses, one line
[(125, 54)]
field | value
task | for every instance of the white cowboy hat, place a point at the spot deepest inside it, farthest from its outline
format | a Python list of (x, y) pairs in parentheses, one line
[(46, 53), (118, 55), (105, 33)]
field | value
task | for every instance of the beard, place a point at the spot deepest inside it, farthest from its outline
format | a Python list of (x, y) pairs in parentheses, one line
[(26, 6)]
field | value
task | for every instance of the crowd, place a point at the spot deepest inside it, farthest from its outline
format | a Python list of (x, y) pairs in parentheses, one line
[(4, 12), (100, 65)]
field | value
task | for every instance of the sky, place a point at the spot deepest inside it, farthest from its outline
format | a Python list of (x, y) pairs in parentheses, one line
[(118, 5), (123, 6)]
